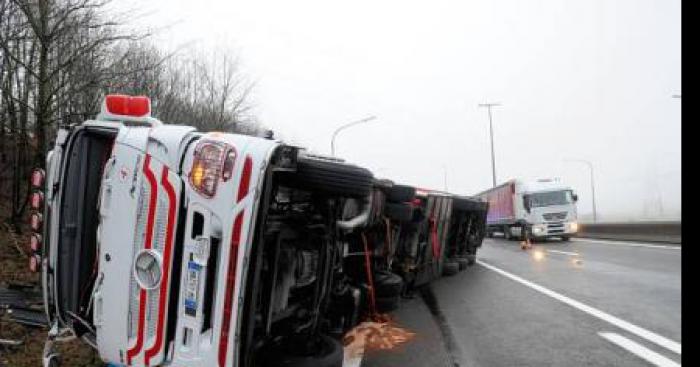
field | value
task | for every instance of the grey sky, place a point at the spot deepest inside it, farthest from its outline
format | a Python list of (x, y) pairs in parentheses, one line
[(578, 79)]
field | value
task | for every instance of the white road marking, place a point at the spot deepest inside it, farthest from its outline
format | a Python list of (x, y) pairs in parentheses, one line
[(563, 252), (622, 324), (628, 244), (639, 350)]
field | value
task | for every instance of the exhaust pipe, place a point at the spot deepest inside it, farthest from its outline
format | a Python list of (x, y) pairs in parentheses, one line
[(360, 219)]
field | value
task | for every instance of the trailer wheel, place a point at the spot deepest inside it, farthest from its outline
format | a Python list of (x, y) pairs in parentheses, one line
[(450, 268), (387, 284), (463, 263), (471, 258), (328, 352), (400, 193), (399, 211), (334, 178)]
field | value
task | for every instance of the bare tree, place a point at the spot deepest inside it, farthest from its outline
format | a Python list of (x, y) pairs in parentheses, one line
[(58, 58)]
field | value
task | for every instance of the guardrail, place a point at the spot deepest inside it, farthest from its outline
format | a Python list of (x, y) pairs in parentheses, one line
[(638, 231)]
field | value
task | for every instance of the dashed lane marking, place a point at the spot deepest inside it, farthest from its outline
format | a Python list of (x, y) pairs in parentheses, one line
[(639, 350), (616, 321)]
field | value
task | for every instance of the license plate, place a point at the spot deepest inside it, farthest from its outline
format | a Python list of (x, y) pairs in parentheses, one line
[(194, 272)]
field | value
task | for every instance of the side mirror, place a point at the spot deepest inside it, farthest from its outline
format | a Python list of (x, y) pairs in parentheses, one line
[(526, 203), (575, 197)]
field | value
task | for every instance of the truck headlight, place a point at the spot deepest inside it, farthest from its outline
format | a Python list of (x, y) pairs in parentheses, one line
[(212, 161), (537, 229), (573, 226)]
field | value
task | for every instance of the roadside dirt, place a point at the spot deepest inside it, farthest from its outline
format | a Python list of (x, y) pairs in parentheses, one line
[(14, 269)]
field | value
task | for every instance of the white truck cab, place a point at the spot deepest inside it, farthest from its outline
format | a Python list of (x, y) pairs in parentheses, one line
[(162, 245), (549, 207)]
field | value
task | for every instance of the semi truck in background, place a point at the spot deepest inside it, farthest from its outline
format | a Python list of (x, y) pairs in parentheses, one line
[(542, 208)]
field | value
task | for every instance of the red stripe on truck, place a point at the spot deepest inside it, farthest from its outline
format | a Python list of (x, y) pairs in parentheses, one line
[(152, 183), (167, 253), (243, 187)]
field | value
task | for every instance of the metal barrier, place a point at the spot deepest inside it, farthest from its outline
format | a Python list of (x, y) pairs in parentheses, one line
[(638, 231)]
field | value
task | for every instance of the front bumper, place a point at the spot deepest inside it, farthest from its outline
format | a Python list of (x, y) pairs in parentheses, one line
[(554, 229)]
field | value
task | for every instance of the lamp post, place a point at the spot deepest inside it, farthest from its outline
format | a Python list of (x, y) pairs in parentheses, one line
[(590, 167), (493, 155), (343, 127)]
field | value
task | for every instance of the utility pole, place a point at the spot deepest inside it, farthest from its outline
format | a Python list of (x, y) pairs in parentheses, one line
[(444, 169), (342, 127), (493, 154)]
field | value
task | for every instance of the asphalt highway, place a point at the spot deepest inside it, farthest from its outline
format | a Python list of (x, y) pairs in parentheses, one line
[(579, 303)]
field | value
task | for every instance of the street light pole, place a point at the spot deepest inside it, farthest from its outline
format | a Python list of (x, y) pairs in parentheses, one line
[(339, 129), (590, 167), (493, 154), (444, 171)]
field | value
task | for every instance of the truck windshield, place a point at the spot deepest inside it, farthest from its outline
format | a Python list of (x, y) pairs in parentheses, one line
[(550, 198)]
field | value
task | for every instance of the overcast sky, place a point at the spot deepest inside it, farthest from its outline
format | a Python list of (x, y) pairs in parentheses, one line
[(589, 79)]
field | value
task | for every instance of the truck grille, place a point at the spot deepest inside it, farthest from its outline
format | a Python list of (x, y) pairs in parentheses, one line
[(138, 243), (554, 216), (554, 228)]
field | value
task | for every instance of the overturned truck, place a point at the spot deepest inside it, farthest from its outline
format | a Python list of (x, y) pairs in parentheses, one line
[(162, 245)]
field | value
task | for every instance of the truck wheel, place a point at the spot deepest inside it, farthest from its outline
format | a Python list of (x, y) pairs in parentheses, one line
[(463, 263), (329, 177), (450, 268), (507, 234), (566, 238), (399, 211), (400, 193), (471, 259), (387, 284), (328, 352)]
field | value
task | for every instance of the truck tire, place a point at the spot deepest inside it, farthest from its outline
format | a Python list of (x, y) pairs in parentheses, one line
[(463, 263), (400, 193), (471, 259), (328, 353), (399, 211), (333, 178), (450, 268), (507, 233), (387, 284), (566, 238)]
